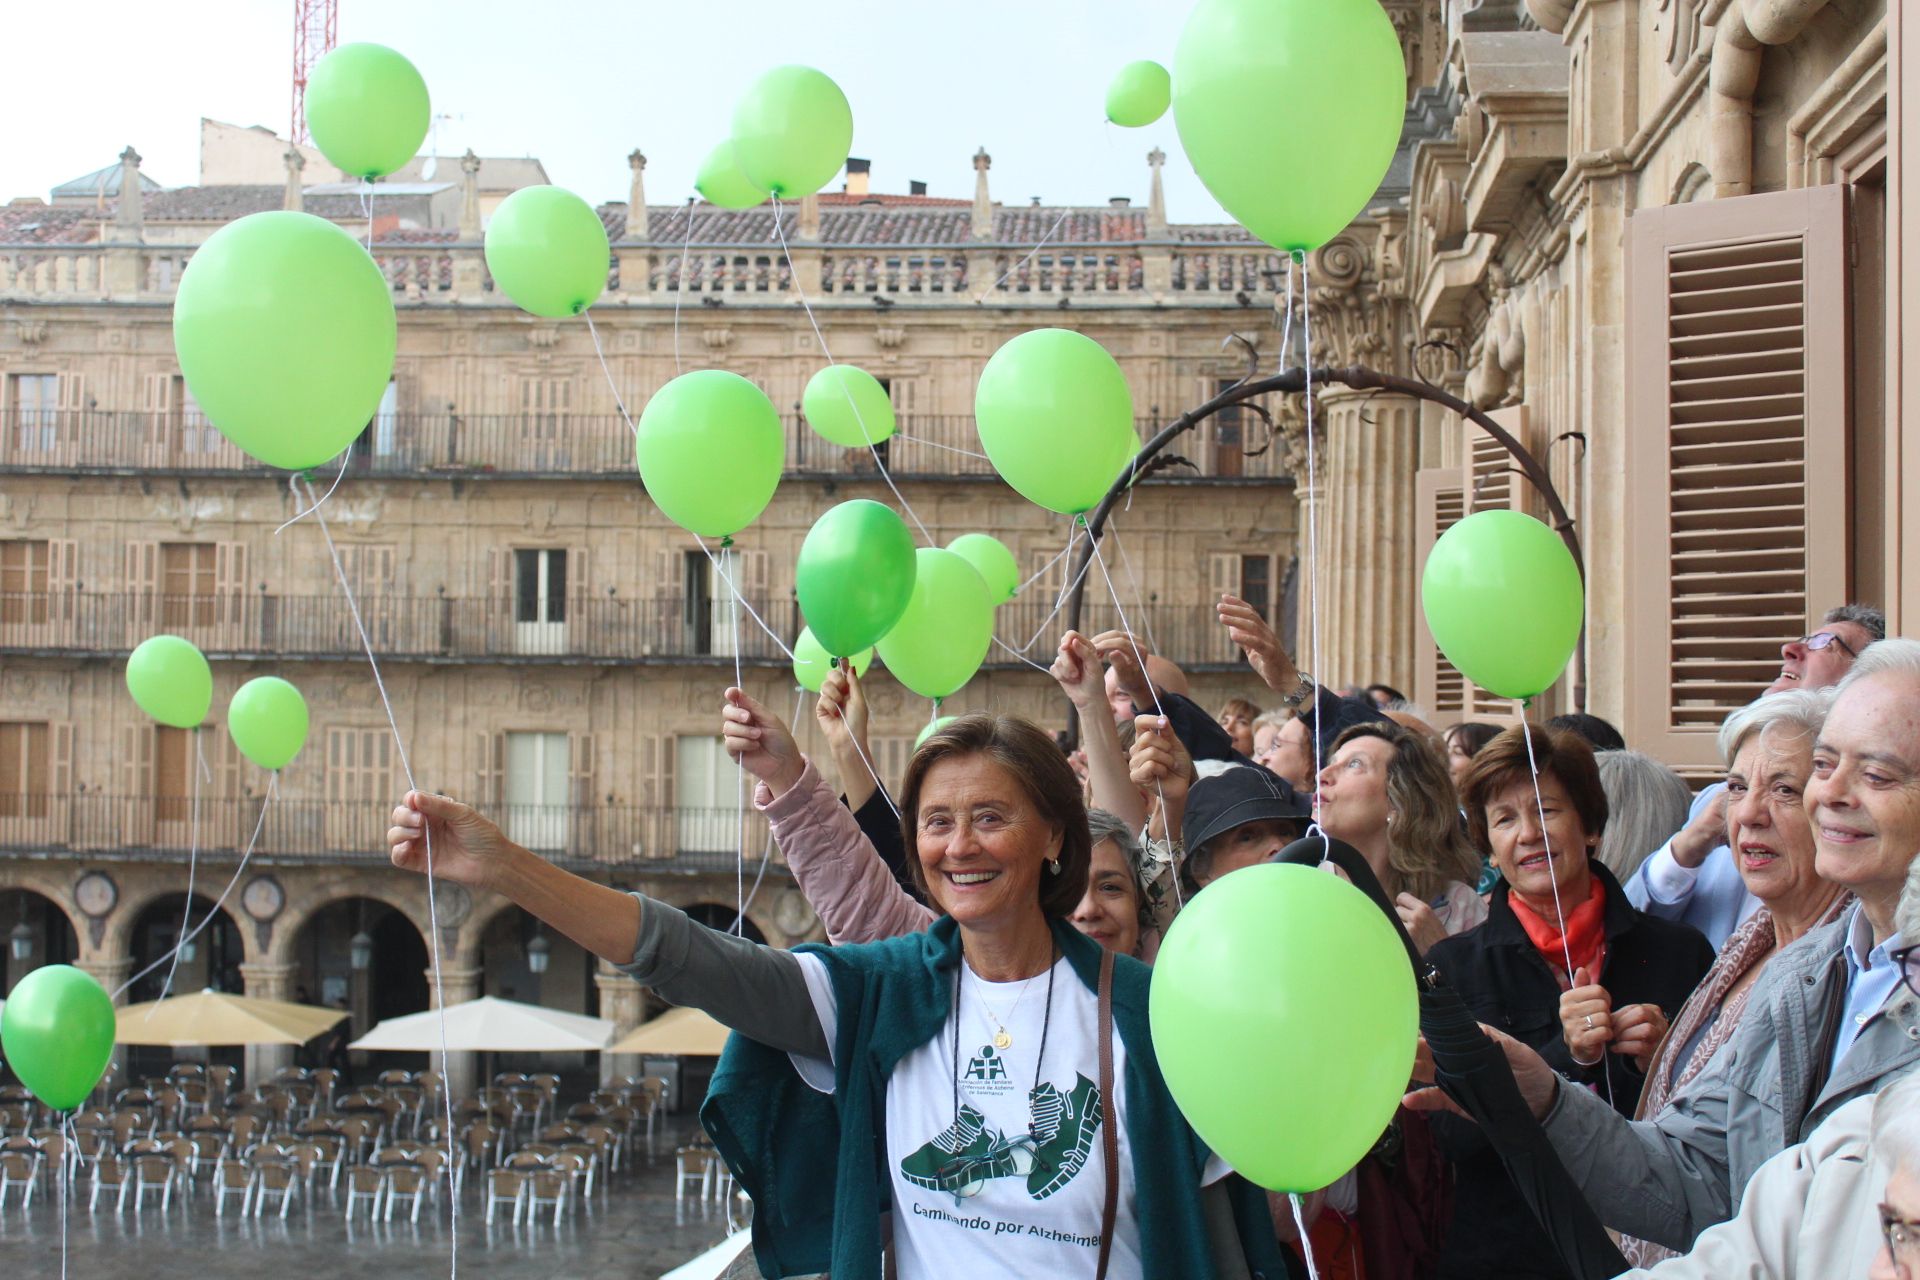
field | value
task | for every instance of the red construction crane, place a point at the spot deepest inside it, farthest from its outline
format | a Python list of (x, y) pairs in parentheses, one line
[(316, 29)]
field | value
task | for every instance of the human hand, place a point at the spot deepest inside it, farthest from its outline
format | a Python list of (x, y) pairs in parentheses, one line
[(1077, 668), (1123, 652), (1704, 832), (1586, 1019), (1638, 1030), (1159, 761), (1422, 925), (842, 708), (466, 848), (1246, 628), (1538, 1082), (760, 744)]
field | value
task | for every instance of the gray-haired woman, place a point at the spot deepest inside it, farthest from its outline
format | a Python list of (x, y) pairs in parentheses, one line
[(1648, 802)]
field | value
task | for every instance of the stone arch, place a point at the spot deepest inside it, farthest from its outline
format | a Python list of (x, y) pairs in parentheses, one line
[(118, 941), (306, 900), (34, 878), (1694, 183), (480, 918)]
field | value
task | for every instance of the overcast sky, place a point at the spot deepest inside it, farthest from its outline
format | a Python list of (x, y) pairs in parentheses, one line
[(580, 83)]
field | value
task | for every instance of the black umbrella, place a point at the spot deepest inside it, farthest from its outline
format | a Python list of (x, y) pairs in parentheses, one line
[(1473, 1071)]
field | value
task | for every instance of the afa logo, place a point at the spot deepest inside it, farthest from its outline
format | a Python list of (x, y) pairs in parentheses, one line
[(987, 1066)]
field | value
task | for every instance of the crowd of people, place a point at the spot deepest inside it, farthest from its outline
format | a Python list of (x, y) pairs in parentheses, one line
[(1710, 1004)]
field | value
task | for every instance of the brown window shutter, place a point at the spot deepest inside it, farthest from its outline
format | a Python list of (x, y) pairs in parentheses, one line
[(579, 593), (1737, 381), (60, 783), (1436, 685), (136, 783)]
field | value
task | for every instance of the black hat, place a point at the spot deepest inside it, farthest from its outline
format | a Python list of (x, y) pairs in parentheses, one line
[(1242, 794)]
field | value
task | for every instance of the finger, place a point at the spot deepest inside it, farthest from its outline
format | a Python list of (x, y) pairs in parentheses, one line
[(1410, 902), (444, 808), (739, 698), (1433, 1099)]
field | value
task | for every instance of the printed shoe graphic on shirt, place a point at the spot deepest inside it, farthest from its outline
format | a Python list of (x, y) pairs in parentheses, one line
[(1064, 1125), (966, 1155)]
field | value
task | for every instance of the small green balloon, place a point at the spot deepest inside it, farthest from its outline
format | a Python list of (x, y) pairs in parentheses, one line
[(942, 638), (171, 681), (268, 721), (56, 1033), (285, 332), (933, 726), (1139, 95), (854, 575), (792, 131), (1056, 418), (1242, 997), (848, 406), (720, 181), (1504, 602), (812, 664), (547, 250), (368, 109), (710, 449), (1332, 70), (994, 563)]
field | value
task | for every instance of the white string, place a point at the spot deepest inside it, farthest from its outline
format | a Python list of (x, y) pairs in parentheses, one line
[(1313, 538), (1286, 319), (780, 231), (618, 403), (935, 444), (273, 786), (744, 602), (874, 773), (366, 207), (193, 860), (1127, 627), (740, 683), (766, 854), (1064, 215), (1306, 1245), (433, 909), (680, 287), (1146, 616), (346, 458), (69, 1137)]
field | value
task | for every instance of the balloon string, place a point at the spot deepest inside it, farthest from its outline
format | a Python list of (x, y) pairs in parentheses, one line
[(1286, 319), (1313, 531), (618, 403), (273, 783), (680, 287), (873, 773), (346, 458), (1140, 658), (366, 207), (779, 229), (193, 860), (69, 1138), (743, 601), (935, 444), (433, 909), (1020, 651), (766, 854), (1064, 214), (1146, 617), (740, 683), (1306, 1245)]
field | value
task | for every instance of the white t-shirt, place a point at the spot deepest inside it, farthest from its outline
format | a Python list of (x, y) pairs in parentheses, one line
[(1013, 1184)]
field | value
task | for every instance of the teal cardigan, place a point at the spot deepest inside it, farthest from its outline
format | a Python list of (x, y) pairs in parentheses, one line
[(815, 1164)]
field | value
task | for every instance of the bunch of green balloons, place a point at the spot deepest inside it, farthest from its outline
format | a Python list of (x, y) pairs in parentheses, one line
[(368, 109), (1056, 418), (855, 575), (942, 638), (548, 251), (710, 450), (1284, 1017), (812, 664), (268, 721), (56, 1033), (170, 680), (1504, 601)]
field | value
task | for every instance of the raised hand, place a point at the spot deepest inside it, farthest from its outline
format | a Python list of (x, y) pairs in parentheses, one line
[(1586, 1019), (842, 715), (1077, 668), (467, 848), (1246, 628), (1123, 652), (1159, 763), (1704, 832), (760, 743)]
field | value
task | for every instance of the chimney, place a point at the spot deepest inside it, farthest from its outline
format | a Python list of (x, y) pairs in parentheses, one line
[(293, 199), (129, 215), (859, 173), (637, 227), (1120, 202), (1157, 196), (916, 188), (982, 200)]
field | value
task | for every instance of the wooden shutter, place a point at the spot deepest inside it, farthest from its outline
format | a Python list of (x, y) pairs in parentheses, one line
[(60, 783), (230, 594), (1441, 496), (663, 630), (1491, 478), (136, 783), (157, 414), (142, 575), (490, 772), (579, 593), (1736, 453), (63, 585)]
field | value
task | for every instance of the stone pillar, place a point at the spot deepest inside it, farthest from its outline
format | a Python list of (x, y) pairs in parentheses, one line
[(1367, 536), (1156, 260), (636, 261), (981, 267), (623, 1002), (110, 972), (264, 981), (467, 274), (126, 267), (295, 198), (462, 1066)]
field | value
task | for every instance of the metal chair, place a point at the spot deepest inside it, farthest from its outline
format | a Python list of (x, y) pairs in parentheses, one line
[(693, 1166), (275, 1175), (549, 1186), (232, 1177), (365, 1182), (110, 1174), (19, 1168), (408, 1181), (154, 1171), (508, 1187)]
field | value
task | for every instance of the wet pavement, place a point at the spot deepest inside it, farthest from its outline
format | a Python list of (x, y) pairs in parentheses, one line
[(634, 1231)]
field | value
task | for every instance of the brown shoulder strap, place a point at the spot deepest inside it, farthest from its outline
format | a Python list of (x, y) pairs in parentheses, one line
[(1109, 1121)]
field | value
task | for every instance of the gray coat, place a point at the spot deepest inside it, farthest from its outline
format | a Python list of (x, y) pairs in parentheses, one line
[(1670, 1178)]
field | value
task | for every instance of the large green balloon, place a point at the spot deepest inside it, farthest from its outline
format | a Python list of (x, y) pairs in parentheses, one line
[(1290, 110), (547, 250), (855, 575), (942, 638), (285, 331), (1139, 94), (792, 131), (721, 182), (994, 563), (368, 109), (812, 664), (710, 449), (268, 721), (171, 681), (848, 406), (1284, 1017), (1504, 602), (56, 1032), (1056, 418)]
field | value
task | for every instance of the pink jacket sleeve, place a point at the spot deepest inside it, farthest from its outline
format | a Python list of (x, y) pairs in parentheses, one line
[(836, 866)]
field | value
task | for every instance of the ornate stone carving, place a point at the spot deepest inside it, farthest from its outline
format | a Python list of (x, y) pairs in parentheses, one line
[(717, 338), (891, 337), (1497, 373), (32, 332), (1680, 26), (543, 337)]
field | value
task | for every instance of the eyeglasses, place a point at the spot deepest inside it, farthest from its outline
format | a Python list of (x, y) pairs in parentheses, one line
[(1821, 639), (1908, 958), (1902, 1236)]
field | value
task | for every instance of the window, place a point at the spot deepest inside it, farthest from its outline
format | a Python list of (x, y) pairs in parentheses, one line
[(697, 602), (35, 398), (376, 439), (24, 582), (172, 774), (1256, 584), (706, 796), (1229, 435), (187, 584), (25, 769), (536, 789), (539, 585), (360, 786)]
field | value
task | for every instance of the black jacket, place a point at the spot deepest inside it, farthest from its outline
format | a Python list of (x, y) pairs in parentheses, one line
[(1507, 985)]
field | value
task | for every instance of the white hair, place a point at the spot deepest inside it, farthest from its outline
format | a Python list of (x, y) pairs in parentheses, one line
[(1894, 1132), (1800, 711), (1646, 802), (1897, 656)]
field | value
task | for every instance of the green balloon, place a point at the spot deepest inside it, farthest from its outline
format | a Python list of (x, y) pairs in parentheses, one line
[(1056, 418), (720, 181), (1504, 602), (285, 331), (547, 250), (792, 131), (710, 449), (848, 406), (942, 638), (933, 726), (368, 109), (1290, 110), (855, 575), (1244, 996), (1139, 94), (57, 1032), (171, 681), (994, 563), (812, 664), (268, 721)]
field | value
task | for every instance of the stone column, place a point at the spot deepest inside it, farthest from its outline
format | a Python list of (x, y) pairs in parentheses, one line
[(636, 261), (981, 266), (467, 275), (1156, 260), (126, 266), (623, 1002), (110, 972), (462, 1066), (1367, 536), (264, 981)]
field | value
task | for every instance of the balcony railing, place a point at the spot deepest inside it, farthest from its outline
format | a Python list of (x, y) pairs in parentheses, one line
[(632, 838), (596, 629), (928, 446)]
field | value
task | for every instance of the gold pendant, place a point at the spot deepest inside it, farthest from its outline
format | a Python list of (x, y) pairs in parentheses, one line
[(1001, 1040)]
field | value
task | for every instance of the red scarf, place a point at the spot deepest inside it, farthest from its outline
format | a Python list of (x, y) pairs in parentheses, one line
[(1586, 935)]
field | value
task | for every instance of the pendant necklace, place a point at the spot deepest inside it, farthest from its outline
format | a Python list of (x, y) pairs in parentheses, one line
[(1046, 1025), (1002, 1038)]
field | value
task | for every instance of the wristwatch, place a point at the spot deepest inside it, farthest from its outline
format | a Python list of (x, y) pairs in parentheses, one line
[(1299, 695)]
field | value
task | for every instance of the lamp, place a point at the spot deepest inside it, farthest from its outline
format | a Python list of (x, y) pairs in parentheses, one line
[(360, 951), (537, 953), (21, 940)]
